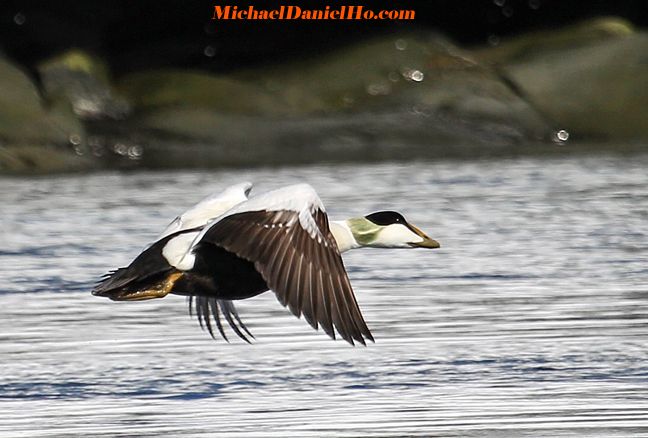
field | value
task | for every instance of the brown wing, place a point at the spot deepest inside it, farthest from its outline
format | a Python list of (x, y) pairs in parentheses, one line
[(303, 268)]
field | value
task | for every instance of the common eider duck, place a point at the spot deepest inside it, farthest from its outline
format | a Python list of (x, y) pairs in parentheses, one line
[(228, 247)]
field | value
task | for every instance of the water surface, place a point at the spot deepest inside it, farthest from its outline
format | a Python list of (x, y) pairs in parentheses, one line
[(531, 320)]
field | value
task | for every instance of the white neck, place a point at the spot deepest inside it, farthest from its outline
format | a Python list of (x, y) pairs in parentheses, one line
[(343, 235)]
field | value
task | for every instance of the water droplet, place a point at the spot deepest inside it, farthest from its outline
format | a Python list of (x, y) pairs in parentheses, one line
[(210, 51), (507, 11), (493, 40), (418, 111), (534, 4), (135, 152), (120, 148), (348, 101), (379, 88), (561, 136), (80, 149), (19, 18), (401, 44), (75, 139), (417, 75), (413, 75), (393, 76), (499, 3)]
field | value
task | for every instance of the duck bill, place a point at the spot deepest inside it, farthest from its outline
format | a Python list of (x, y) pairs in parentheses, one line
[(427, 242)]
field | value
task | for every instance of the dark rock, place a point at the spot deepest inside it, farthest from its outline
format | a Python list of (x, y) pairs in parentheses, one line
[(28, 159), (33, 138), (172, 88), (530, 45), (83, 81), (589, 79), (407, 96)]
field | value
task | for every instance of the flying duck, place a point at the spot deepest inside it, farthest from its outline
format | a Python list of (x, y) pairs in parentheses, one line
[(231, 247)]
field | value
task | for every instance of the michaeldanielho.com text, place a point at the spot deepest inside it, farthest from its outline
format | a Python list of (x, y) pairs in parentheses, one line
[(297, 13)]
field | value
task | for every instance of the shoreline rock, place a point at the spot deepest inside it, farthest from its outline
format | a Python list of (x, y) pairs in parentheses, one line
[(395, 97), (588, 78)]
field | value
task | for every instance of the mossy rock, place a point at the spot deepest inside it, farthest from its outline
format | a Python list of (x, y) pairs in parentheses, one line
[(424, 71), (417, 73), (24, 118), (168, 88), (30, 159), (420, 73), (597, 92), (529, 45), (83, 82), (79, 61)]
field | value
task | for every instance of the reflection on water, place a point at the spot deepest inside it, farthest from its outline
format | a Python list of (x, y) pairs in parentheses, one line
[(530, 320)]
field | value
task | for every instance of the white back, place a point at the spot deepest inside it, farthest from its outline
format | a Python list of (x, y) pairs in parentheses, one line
[(209, 208), (296, 197), (301, 198)]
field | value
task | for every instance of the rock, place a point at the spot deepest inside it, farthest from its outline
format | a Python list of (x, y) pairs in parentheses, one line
[(172, 88), (27, 159), (396, 97), (595, 91), (32, 137), (83, 82), (414, 72), (410, 73), (23, 117), (195, 137), (21, 113), (530, 45)]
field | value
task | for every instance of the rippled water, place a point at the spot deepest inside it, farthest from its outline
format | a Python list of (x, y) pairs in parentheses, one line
[(532, 320)]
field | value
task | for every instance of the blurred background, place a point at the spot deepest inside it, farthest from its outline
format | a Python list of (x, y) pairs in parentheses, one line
[(513, 132), (161, 84)]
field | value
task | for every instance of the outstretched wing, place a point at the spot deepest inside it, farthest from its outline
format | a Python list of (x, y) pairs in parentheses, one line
[(210, 207), (291, 246)]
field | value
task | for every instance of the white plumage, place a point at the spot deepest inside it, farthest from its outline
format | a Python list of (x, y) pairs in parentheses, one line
[(176, 251), (300, 198), (210, 207)]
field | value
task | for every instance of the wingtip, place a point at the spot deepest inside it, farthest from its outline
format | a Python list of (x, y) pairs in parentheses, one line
[(207, 308), (359, 339)]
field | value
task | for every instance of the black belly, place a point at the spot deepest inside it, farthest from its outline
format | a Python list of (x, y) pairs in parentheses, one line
[(221, 274)]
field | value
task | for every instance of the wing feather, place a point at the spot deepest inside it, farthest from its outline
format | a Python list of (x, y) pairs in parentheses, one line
[(294, 296), (210, 307), (296, 254), (213, 304), (228, 308), (207, 319)]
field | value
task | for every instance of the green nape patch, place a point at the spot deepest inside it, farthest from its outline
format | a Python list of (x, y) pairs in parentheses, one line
[(364, 231)]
